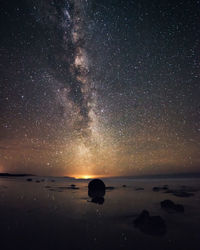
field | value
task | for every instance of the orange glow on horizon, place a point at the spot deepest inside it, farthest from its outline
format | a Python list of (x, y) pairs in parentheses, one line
[(86, 177)]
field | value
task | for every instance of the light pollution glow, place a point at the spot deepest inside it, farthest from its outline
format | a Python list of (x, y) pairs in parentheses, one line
[(107, 101)]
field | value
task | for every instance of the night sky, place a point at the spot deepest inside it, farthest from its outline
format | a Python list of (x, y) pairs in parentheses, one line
[(100, 87)]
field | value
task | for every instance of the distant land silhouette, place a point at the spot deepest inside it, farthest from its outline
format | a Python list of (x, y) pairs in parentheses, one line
[(14, 175), (25, 175), (156, 176), (159, 176)]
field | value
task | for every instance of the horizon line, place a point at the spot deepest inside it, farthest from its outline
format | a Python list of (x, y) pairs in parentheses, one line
[(171, 175)]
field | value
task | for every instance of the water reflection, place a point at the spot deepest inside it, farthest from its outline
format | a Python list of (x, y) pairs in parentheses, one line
[(97, 196), (58, 215)]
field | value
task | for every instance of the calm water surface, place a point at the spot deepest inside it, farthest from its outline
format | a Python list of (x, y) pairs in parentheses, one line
[(47, 216)]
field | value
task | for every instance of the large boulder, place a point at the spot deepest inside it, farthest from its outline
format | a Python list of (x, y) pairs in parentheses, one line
[(96, 190), (96, 184)]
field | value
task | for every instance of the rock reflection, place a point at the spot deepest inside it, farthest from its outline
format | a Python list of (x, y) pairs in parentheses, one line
[(97, 196)]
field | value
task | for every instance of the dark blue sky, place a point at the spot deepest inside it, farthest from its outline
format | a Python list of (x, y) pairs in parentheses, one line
[(121, 99)]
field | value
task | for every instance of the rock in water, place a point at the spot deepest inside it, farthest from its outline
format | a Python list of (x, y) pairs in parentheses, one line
[(170, 205), (96, 184), (139, 188), (183, 194), (153, 225), (156, 189), (96, 190)]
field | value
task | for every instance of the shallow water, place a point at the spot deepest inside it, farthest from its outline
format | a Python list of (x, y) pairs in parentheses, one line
[(45, 216)]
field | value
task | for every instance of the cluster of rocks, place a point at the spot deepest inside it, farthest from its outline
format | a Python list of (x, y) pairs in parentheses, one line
[(184, 191), (37, 181), (155, 225), (60, 189), (180, 193)]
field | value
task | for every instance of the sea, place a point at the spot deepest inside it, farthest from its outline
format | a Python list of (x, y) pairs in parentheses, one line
[(57, 213)]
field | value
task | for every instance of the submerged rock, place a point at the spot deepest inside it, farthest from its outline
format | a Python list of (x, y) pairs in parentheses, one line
[(182, 194), (139, 188), (165, 187), (156, 189), (153, 225), (124, 186), (189, 189), (55, 189), (170, 205), (73, 187), (169, 191)]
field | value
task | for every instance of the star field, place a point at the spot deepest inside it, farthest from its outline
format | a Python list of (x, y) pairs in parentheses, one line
[(99, 87)]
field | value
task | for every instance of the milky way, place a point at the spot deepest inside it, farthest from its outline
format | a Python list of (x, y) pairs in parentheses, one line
[(99, 87)]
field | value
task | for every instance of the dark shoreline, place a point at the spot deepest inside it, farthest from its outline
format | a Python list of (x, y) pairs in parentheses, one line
[(15, 175)]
